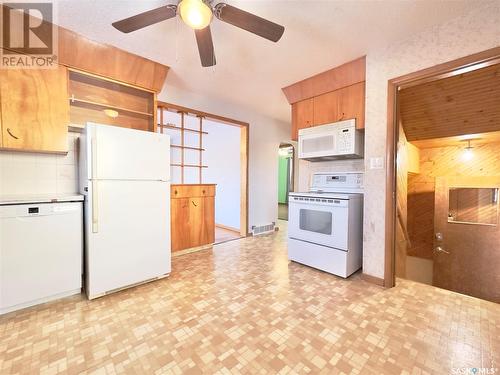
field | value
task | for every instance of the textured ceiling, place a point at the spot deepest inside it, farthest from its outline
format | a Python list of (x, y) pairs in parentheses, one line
[(251, 71)]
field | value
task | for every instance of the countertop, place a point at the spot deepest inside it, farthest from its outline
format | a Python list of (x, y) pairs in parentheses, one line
[(45, 198)]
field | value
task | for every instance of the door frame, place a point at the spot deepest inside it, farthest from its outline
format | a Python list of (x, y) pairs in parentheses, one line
[(291, 174), (244, 153), (437, 72)]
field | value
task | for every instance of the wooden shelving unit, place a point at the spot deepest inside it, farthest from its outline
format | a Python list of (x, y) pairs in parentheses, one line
[(90, 95), (162, 124)]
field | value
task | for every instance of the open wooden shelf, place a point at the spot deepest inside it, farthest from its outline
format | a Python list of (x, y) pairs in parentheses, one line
[(189, 165), (179, 128), (188, 148), (76, 101)]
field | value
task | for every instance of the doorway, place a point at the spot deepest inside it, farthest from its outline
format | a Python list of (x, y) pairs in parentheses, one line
[(447, 179), (211, 149), (286, 154)]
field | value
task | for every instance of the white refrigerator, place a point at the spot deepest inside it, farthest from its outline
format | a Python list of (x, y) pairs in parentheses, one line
[(125, 177)]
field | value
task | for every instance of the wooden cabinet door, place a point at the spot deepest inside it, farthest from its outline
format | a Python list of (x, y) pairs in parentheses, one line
[(302, 116), (352, 104), (326, 108), (192, 222), (179, 224), (201, 218), (35, 109), (209, 219)]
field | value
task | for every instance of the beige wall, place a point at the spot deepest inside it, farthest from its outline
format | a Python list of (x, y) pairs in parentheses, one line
[(460, 37)]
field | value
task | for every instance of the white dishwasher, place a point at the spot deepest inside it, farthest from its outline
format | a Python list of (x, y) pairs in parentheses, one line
[(40, 253)]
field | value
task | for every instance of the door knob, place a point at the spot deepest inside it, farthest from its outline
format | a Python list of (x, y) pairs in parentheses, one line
[(439, 249)]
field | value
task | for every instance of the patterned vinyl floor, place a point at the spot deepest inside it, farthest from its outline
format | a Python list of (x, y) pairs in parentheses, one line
[(242, 308)]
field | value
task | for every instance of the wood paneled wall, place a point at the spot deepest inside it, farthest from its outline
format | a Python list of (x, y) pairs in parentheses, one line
[(440, 162), (462, 104)]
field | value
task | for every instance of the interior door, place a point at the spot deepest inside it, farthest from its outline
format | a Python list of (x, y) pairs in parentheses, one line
[(467, 236)]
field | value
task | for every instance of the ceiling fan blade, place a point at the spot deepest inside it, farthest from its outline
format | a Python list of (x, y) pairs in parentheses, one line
[(249, 22), (145, 19), (205, 46)]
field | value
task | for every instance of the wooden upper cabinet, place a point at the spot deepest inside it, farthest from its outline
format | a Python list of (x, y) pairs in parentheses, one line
[(35, 109), (326, 108), (302, 116), (78, 52), (335, 95), (351, 104)]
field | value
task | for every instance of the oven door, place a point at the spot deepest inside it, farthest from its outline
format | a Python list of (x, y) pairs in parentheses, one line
[(319, 221)]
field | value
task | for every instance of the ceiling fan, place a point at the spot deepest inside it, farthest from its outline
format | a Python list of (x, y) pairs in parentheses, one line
[(198, 15)]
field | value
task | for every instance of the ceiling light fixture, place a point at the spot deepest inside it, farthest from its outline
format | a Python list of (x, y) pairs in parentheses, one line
[(468, 153), (195, 13), (110, 113)]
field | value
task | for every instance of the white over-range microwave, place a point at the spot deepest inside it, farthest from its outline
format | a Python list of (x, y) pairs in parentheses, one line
[(338, 140)]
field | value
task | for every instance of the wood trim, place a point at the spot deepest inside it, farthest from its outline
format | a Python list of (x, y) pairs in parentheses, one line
[(182, 145), (244, 157), (477, 60), (341, 76), (180, 185), (225, 120), (201, 150), (155, 113), (372, 279)]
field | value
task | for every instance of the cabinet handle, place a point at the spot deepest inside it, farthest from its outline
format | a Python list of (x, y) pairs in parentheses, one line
[(203, 191), (342, 117), (12, 135), (175, 192), (194, 204)]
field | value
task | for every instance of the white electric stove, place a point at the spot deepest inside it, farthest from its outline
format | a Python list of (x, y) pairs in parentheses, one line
[(325, 228)]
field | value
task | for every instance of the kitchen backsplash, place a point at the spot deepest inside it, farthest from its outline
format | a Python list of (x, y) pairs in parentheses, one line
[(35, 173)]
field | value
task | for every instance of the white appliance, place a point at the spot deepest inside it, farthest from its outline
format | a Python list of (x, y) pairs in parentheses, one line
[(339, 140), (41, 250), (125, 177), (325, 227)]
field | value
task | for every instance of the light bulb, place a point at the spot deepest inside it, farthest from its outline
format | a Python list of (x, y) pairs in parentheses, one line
[(195, 13), (468, 154)]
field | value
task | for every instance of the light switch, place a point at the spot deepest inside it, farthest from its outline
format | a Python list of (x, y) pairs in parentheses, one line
[(377, 163)]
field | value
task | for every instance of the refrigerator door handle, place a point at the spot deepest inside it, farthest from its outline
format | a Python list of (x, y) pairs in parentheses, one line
[(95, 207), (93, 146)]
